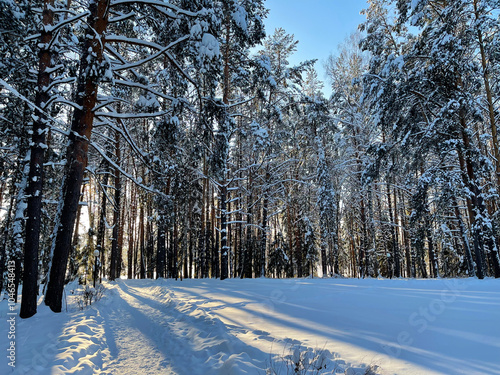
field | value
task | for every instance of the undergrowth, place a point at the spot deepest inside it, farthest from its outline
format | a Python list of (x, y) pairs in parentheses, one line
[(89, 295)]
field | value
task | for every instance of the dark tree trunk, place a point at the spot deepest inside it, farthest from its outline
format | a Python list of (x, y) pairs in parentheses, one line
[(121, 228), (36, 175), (263, 241), (248, 248), (142, 272), (149, 239), (474, 203), (170, 254), (5, 234), (161, 248), (115, 248), (213, 254), (363, 251), (223, 234), (299, 251), (395, 246), (77, 153), (130, 250), (432, 253), (115, 251), (175, 246), (101, 229)]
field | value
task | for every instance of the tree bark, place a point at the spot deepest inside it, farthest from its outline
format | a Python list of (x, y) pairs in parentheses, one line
[(131, 231), (115, 248), (474, 202), (77, 153), (489, 94), (161, 248), (263, 241), (36, 175)]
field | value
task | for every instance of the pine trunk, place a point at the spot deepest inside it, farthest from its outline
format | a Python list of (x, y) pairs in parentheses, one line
[(77, 153), (161, 248), (36, 175), (263, 241), (131, 234), (115, 249), (474, 202)]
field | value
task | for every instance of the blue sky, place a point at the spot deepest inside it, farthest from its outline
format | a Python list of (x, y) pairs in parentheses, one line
[(319, 26)]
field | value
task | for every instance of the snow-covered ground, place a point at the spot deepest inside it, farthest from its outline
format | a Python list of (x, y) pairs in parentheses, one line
[(250, 326)]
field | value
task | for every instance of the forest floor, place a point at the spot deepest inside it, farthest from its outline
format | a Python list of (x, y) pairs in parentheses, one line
[(344, 326)]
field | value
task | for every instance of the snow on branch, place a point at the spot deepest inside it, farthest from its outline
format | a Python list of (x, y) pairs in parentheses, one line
[(124, 173), (113, 38), (102, 187), (55, 28), (35, 107), (129, 83), (151, 57), (156, 3), (122, 17), (119, 115)]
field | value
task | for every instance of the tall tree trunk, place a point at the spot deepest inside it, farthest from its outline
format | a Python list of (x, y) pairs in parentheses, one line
[(131, 231), (175, 243), (121, 230), (471, 267), (395, 245), (204, 238), (142, 246), (216, 247), (36, 175), (363, 256), (115, 248), (192, 234), (161, 248), (406, 238), (150, 240), (489, 94), (73, 267), (223, 233), (170, 253), (474, 202), (77, 153), (289, 222), (224, 255), (246, 262), (5, 234), (101, 229), (263, 241), (432, 252)]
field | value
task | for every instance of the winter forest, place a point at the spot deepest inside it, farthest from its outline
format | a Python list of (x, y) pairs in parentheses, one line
[(150, 139)]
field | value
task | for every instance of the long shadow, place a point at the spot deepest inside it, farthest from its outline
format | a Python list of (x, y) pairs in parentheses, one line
[(42, 355), (436, 361), (167, 342), (44, 343)]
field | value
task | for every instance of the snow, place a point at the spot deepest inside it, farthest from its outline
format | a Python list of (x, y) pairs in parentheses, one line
[(209, 46), (240, 17), (196, 30), (237, 326)]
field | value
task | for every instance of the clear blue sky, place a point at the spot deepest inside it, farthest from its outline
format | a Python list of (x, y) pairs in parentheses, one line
[(319, 26)]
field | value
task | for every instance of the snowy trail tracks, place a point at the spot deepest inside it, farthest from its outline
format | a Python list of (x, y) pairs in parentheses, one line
[(147, 332)]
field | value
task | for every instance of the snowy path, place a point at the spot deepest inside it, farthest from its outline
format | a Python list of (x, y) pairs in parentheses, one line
[(148, 333), (133, 332), (212, 327)]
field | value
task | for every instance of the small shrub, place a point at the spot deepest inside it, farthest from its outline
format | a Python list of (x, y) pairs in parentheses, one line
[(300, 361), (89, 295), (308, 361)]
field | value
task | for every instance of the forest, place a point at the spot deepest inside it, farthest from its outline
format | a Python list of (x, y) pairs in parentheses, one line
[(174, 139)]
